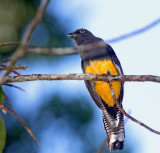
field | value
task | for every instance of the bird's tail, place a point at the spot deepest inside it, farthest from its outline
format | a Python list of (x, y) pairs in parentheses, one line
[(115, 130)]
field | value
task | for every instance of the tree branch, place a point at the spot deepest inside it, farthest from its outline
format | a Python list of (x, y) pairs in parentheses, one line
[(65, 51), (77, 76), (26, 37), (91, 77)]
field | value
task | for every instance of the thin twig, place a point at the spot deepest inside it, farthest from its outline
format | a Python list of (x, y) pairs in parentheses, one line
[(5, 61), (26, 37), (127, 119), (102, 146), (9, 43), (52, 51), (5, 109), (47, 51), (135, 32), (14, 86), (127, 115), (8, 100), (77, 76), (16, 73), (16, 67)]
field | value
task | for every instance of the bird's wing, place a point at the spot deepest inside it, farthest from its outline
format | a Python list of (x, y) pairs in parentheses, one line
[(118, 66), (114, 59)]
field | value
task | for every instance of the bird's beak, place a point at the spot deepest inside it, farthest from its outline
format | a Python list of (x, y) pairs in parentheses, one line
[(71, 35)]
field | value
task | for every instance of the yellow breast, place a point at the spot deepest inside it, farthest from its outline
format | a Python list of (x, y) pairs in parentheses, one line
[(102, 88)]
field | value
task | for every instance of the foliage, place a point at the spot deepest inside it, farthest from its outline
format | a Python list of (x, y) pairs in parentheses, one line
[(2, 135), (2, 126)]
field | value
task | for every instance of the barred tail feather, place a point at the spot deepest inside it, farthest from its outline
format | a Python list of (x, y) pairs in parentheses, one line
[(115, 130)]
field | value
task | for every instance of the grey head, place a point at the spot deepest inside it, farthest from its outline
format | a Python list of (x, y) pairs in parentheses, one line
[(83, 36), (88, 45)]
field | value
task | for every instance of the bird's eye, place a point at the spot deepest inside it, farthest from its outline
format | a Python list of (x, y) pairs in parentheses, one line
[(81, 31)]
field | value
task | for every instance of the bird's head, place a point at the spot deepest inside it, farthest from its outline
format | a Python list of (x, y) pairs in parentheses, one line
[(81, 36)]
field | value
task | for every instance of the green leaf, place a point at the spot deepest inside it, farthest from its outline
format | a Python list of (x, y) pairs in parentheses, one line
[(2, 135), (1, 96)]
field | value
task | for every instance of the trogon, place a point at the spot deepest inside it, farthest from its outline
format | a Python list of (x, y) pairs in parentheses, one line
[(99, 58)]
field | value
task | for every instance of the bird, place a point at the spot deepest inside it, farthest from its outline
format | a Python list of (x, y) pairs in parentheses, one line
[(98, 57)]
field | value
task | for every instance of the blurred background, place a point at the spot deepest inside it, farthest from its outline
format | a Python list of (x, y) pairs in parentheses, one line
[(61, 113)]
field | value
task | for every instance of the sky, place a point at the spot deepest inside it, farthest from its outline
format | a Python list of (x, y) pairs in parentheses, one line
[(138, 55)]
